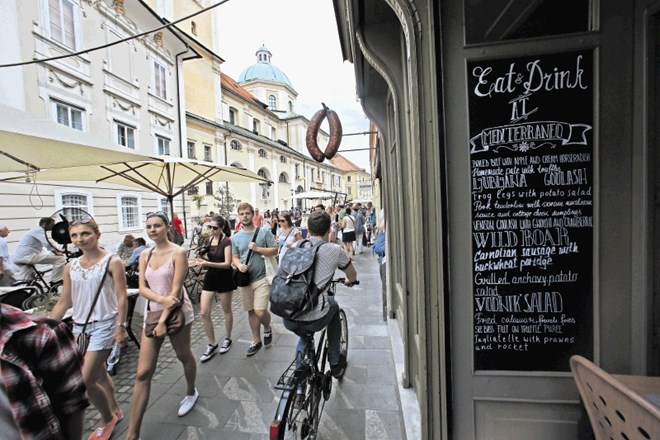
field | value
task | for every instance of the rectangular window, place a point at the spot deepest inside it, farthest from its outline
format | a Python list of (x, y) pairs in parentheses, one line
[(69, 116), (207, 153), (125, 135), (160, 80), (62, 22), (163, 145), (209, 188), (191, 150), (255, 126), (129, 212), (232, 116), (71, 201), (193, 190)]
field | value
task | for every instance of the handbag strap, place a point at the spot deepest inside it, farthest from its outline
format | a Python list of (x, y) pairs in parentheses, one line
[(285, 239), (254, 238), (145, 280), (98, 292)]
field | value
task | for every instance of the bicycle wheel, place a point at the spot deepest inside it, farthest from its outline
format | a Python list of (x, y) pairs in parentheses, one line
[(298, 414)]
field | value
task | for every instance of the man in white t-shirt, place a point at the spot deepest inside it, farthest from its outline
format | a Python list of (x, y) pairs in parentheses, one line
[(6, 268), (30, 250)]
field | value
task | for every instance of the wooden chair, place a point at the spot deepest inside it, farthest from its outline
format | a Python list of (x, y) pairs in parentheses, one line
[(615, 411)]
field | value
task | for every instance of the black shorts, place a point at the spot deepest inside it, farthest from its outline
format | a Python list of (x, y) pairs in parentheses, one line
[(348, 237), (218, 280)]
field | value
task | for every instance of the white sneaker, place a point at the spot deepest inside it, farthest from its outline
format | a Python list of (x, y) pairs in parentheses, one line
[(208, 354), (187, 404), (226, 345)]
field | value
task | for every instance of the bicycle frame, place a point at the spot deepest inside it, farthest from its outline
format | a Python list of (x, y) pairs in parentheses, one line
[(309, 376)]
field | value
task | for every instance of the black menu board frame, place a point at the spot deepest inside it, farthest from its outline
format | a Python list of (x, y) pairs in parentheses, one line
[(531, 157)]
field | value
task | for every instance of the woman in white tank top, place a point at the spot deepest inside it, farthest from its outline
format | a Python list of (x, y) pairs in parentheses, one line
[(107, 322)]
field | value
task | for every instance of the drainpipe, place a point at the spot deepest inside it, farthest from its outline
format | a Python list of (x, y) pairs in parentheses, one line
[(180, 118)]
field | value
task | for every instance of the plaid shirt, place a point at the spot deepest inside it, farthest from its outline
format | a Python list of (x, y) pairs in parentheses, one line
[(41, 371)]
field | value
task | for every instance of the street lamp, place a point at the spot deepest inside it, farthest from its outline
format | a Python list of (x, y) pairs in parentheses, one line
[(292, 192)]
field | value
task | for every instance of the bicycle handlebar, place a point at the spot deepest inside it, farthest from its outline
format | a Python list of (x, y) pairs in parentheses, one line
[(342, 280)]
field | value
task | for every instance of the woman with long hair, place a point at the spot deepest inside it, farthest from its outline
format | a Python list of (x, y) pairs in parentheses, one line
[(288, 234), (348, 233), (163, 269), (275, 222), (107, 323), (216, 256)]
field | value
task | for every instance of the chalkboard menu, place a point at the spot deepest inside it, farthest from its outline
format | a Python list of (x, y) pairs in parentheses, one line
[(531, 155)]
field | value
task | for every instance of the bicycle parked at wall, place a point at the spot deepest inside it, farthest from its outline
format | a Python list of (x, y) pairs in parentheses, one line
[(307, 383)]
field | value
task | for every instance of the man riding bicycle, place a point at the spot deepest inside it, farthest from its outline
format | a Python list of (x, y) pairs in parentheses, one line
[(329, 258), (30, 251)]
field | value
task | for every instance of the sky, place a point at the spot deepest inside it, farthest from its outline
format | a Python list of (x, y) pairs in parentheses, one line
[(303, 38)]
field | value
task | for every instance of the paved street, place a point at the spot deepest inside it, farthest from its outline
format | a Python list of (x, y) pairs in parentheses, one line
[(237, 398)]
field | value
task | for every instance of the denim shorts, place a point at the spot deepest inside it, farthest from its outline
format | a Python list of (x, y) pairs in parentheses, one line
[(101, 333)]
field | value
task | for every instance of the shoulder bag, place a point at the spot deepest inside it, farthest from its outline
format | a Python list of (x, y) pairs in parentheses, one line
[(242, 279), (175, 320), (83, 338)]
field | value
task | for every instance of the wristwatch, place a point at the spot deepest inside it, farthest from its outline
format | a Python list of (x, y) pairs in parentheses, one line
[(124, 324)]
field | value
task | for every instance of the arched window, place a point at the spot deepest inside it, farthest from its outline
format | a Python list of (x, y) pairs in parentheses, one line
[(263, 173), (283, 159), (235, 145), (284, 178), (291, 106), (272, 102), (262, 153), (236, 165)]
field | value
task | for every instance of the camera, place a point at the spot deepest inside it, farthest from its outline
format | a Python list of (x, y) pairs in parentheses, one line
[(203, 250)]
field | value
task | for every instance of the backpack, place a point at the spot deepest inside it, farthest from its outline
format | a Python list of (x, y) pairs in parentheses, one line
[(293, 291), (379, 246)]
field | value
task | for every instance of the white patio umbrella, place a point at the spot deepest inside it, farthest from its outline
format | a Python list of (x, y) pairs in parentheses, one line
[(164, 175), (30, 143), (314, 195)]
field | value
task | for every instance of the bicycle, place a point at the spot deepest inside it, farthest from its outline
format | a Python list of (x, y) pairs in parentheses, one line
[(26, 293), (306, 385)]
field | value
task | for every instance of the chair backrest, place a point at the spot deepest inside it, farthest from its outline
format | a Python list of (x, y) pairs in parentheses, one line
[(615, 411)]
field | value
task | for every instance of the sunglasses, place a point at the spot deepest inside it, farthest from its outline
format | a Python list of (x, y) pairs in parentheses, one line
[(160, 214), (215, 228), (81, 222)]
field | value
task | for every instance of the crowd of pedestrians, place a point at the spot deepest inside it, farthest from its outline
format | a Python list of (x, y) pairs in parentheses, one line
[(94, 292)]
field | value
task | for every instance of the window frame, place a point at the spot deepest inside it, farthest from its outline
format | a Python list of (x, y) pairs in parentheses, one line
[(206, 188), (117, 126), (192, 144), (160, 138), (272, 102), (60, 194), (159, 74), (208, 149), (69, 107), (121, 224), (76, 27)]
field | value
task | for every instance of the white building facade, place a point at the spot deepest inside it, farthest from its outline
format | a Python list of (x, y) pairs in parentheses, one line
[(126, 93)]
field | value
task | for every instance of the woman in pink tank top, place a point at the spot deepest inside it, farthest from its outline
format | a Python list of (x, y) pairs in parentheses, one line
[(162, 272)]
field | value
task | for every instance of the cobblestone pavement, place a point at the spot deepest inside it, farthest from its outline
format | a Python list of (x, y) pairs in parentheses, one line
[(237, 397)]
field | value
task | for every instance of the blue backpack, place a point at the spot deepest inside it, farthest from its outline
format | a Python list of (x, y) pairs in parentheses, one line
[(379, 246), (293, 291)]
